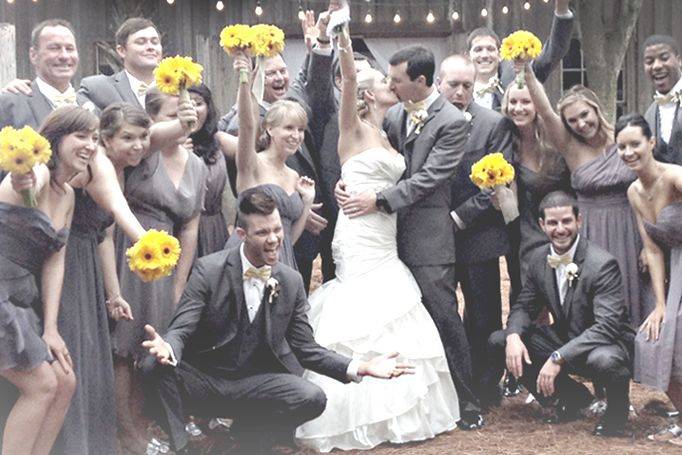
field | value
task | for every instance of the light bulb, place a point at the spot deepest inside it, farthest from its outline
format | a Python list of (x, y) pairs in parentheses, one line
[(397, 17), (526, 6), (455, 16), (368, 18), (10, 1), (430, 18), (258, 10), (484, 12), (301, 15), (505, 9), (219, 5), (170, 2)]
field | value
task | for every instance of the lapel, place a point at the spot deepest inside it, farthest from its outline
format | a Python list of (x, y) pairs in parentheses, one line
[(578, 260), (122, 86), (39, 104), (234, 270), (268, 307), (433, 111), (402, 128), (552, 290)]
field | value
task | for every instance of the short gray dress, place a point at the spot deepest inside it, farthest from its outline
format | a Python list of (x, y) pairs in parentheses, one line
[(290, 207), (212, 226), (656, 362), (608, 220), (157, 204), (27, 238)]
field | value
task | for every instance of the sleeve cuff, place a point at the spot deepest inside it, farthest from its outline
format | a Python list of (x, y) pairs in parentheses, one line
[(352, 371), (173, 360), (326, 51), (458, 221), (568, 15)]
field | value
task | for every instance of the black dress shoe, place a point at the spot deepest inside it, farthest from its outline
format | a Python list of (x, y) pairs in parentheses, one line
[(511, 387), (563, 414), (470, 421), (609, 430)]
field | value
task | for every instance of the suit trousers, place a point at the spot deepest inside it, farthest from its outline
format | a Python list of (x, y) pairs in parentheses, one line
[(480, 285), (437, 285), (610, 365), (266, 407), (306, 249)]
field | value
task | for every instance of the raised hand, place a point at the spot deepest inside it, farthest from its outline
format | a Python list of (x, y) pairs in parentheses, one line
[(385, 366), (156, 346), (241, 61), (516, 354), (306, 188), (21, 182), (187, 115)]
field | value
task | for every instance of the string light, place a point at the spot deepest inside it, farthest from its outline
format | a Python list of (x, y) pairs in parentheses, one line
[(10, 1), (484, 12), (397, 17), (368, 18), (170, 2), (455, 16), (219, 5), (526, 6), (430, 18), (505, 9), (301, 15)]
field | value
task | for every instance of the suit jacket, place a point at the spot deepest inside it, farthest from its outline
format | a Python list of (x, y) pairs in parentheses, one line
[(426, 235), (672, 151), (484, 236), (19, 110), (594, 312), (104, 90), (553, 51), (210, 308)]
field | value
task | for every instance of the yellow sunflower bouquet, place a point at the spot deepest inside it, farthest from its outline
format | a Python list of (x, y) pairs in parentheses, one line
[(260, 41), (20, 150), (154, 255), (175, 75), (522, 45), (493, 172)]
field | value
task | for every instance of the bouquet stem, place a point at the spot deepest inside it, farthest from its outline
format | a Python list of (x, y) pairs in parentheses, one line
[(243, 76), (29, 197), (521, 78), (184, 97), (508, 205)]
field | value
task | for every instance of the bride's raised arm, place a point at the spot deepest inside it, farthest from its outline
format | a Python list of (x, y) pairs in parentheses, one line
[(348, 111)]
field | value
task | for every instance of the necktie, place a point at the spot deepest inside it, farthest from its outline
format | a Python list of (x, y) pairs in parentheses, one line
[(262, 273), (554, 260), (68, 98), (670, 97), (142, 89), (492, 86)]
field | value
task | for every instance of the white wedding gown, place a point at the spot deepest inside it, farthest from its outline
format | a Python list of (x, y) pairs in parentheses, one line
[(374, 307)]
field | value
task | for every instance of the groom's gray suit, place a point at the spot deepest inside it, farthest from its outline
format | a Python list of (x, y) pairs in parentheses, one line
[(426, 235)]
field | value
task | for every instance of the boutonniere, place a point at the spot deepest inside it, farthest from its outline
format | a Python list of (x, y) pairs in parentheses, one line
[(273, 288), (418, 118), (572, 273), (467, 116)]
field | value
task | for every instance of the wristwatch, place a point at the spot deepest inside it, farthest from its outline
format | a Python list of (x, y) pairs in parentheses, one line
[(556, 358), (382, 203)]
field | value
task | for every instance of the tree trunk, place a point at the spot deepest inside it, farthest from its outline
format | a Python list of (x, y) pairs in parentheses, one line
[(8, 54), (606, 27)]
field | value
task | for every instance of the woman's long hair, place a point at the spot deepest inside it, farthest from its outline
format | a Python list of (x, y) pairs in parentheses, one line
[(205, 145)]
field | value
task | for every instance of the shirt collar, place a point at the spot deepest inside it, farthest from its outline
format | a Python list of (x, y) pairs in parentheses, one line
[(570, 253), (49, 91), (246, 264), (676, 88), (135, 83), (431, 98)]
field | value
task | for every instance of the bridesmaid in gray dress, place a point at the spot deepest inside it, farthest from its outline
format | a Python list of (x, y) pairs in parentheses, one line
[(585, 138), (283, 129), (33, 355), (656, 197)]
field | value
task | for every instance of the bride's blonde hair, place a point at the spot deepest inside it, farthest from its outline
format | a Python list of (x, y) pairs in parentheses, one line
[(366, 80)]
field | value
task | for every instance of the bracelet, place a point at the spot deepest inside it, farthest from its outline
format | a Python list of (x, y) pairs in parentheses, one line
[(345, 49), (110, 300)]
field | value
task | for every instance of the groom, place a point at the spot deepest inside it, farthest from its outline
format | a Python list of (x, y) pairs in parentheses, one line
[(431, 134), (240, 340), (580, 285)]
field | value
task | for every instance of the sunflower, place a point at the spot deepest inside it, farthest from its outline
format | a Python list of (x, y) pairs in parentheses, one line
[(176, 73), (268, 40), (520, 44), (40, 147), (16, 154), (236, 37), (492, 170), (154, 255)]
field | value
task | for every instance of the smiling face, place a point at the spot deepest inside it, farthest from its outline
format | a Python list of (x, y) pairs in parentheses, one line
[(55, 58), (561, 227), (128, 145), (276, 79), (287, 136), (142, 51), (634, 148), (520, 108), (262, 236), (486, 56), (582, 119), (77, 149), (663, 66)]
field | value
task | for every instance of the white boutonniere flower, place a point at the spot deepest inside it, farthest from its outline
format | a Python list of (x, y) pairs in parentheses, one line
[(273, 288), (418, 118), (572, 273), (467, 116)]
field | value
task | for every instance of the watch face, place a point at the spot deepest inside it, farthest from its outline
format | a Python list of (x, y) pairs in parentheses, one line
[(555, 357)]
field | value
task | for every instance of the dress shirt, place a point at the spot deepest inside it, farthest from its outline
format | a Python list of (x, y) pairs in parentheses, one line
[(666, 114), (486, 99), (137, 86), (428, 101), (54, 96), (560, 271)]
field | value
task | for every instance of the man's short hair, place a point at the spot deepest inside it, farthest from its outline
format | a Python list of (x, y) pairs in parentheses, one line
[(558, 199), (420, 62), (38, 29), (455, 59), (662, 39), (479, 32), (254, 201), (130, 26)]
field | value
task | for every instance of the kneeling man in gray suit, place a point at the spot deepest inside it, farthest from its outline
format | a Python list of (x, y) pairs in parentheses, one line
[(580, 286), (240, 340)]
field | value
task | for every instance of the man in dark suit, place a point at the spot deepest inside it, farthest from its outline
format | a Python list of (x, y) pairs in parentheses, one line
[(663, 65), (493, 76), (481, 236), (431, 134), (240, 340), (139, 46), (580, 286), (54, 56)]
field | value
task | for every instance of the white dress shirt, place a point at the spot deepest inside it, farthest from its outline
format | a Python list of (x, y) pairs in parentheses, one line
[(486, 99), (427, 104), (666, 114), (139, 87), (560, 271), (54, 96)]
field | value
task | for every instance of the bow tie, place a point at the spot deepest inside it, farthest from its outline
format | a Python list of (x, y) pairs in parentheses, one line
[(670, 97), (68, 98), (554, 260), (142, 89), (262, 273), (492, 86), (413, 107)]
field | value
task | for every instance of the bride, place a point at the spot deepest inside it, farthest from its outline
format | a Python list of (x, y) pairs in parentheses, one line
[(374, 304)]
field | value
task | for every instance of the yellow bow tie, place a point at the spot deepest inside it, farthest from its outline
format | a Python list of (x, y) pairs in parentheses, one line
[(670, 97), (142, 89), (413, 107), (555, 261), (492, 86), (262, 273), (68, 98)]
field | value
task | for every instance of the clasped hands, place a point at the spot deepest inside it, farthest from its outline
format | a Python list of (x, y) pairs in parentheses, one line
[(517, 353)]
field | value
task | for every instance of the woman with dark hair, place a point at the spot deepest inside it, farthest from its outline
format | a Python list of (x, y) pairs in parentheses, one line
[(212, 226), (656, 197), (37, 360), (581, 133)]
